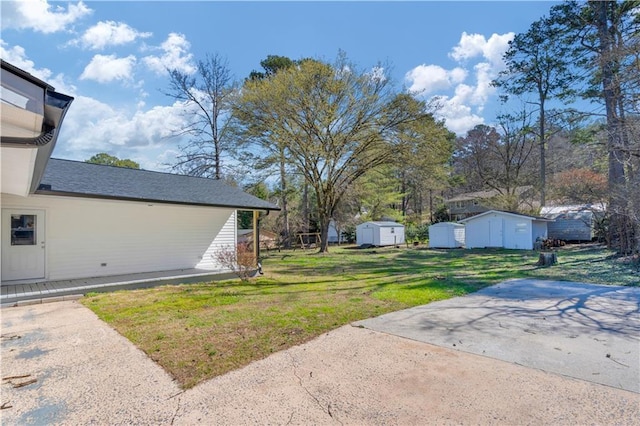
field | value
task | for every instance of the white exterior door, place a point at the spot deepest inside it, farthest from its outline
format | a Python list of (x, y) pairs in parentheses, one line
[(367, 236), (23, 237), (495, 232)]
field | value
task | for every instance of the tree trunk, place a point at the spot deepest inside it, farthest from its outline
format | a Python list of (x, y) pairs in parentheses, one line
[(614, 132), (543, 156), (324, 236), (285, 207)]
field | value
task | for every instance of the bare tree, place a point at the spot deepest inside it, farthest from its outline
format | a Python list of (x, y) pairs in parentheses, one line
[(498, 159), (207, 97)]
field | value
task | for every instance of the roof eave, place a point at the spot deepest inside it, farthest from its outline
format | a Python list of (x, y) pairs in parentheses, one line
[(43, 191)]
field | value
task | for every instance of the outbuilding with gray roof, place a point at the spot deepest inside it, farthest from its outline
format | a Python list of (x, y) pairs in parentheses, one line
[(88, 220)]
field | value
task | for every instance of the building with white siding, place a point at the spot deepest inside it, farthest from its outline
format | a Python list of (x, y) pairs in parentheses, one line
[(504, 229), (446, 235), (89, 220), (65, 219), (379, 234)]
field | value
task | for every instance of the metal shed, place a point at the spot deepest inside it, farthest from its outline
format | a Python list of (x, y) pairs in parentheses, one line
[(572, 222), (380, 233), (446, 235)]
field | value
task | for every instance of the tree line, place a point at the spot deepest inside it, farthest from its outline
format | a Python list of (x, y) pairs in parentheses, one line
[(329, 141)]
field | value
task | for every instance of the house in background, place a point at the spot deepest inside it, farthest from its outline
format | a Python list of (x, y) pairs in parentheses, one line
[(463, 206), (573, 222), (503, 229), (380, 234), (446, 235), (65, 219)]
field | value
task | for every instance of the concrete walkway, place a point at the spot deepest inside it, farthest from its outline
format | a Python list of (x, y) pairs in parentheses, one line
[(54, 291)]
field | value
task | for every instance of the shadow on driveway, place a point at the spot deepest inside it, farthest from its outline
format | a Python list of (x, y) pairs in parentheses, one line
[(589, 332)]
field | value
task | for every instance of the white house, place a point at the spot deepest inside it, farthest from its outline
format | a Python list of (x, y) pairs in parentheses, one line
[(380, 233), (446, 235), (65, 219), (503, 229)]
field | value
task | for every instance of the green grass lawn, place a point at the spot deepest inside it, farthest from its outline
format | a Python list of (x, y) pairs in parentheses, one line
[(198, 331)]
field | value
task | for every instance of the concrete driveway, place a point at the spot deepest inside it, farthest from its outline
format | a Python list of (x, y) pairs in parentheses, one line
[(76, 370), (589, 332)]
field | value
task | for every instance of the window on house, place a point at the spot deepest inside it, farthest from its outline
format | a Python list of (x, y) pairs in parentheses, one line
[(23, 230)]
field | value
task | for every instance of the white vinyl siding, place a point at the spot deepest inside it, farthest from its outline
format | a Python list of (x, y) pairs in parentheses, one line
[(514, 231), (225, 240), (446, 235), (517, 233), (380, 233), (91, 237)]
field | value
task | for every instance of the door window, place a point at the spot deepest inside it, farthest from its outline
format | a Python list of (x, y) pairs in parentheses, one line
[(23, 230)]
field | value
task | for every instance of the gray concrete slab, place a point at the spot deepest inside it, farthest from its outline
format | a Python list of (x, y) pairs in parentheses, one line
[(589, 332), (12, 294), (76, 370)]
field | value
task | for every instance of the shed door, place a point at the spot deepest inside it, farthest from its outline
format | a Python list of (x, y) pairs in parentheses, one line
[(22, 244), (495, 232), (367, 236)]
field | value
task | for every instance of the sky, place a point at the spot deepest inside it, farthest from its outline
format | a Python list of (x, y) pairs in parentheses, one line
[(112, 56)]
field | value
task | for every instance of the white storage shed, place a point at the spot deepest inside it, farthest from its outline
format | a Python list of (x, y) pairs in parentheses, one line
[(380, 233), (503, 229), (446, 235)]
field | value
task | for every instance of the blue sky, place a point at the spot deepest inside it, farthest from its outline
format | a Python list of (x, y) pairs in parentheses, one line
[(111, 56)]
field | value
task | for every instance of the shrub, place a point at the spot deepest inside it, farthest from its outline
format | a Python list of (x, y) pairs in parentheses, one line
[(241, 260)]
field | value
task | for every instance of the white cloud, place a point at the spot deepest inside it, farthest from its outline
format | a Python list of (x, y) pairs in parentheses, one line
[(104, 69), (458, 117), (16, 55), (469, 46), (463, 100), (378, 74), (92, 126), (474, 45), (485, 74), (39, 15), (427, 79), (175, 56), (110, 33), (495, 48)]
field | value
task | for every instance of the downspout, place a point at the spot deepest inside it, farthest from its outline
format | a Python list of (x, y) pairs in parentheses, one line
[(256, 237)]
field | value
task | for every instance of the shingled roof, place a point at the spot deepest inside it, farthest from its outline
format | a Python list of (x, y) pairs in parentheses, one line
[(79, 179)]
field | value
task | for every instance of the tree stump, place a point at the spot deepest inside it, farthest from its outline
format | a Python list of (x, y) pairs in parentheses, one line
[(547, 259)]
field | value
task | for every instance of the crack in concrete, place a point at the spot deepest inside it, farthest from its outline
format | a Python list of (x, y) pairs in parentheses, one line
[(295, 373), (173, 419), (290, 418)]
